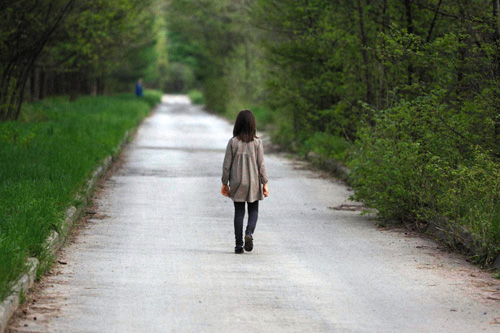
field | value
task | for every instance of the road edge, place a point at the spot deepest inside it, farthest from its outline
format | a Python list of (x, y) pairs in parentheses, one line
[(57, 239)]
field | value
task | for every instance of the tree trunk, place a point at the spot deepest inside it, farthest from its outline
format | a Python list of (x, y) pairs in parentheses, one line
[(42, 79), (385, 16), (100, 85), (411, 30), (496, 9), (247, 66), (433, 23), (496, 28), (364, 53), (382, 97), (496, 34), (74, 86), (95, 84), (34, 84)]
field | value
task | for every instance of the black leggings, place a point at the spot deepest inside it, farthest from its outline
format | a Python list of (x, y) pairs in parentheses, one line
[(239, 215)]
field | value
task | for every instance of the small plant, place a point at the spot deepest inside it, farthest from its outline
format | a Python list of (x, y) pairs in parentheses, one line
[(196, 96), (22, 297), (327, 146)]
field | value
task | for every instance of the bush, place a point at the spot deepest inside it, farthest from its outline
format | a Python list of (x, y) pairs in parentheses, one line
[(215, 93), (196, 96), (263, 117), (327, 146), (179, 78), (472, 199), (419, 163), (152, 97)]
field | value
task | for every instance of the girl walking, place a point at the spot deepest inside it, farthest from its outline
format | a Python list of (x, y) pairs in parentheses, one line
[(243, 173)]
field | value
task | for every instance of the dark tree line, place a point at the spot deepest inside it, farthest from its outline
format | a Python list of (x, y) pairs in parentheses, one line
[(72, 47), (27, 27)]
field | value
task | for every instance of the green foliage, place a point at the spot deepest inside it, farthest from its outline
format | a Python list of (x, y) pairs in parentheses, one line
[(327, 146), (158, 67), (50, 48), (152, 97), (98, 32), (263, 116), (178, 78), (13, 265), (40, 177), (209, 38), (284, 133), (26, 27), (472, 200), (134, 65), (182, 49), (419, 163), (196, 96), (413, 84)]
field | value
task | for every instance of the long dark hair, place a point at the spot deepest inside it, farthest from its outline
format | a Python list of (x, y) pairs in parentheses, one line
[(244, 127)]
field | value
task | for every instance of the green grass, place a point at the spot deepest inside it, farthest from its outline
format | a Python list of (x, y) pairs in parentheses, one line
[(46, 159)]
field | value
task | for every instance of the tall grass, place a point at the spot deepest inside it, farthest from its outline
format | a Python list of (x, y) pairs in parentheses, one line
[(46, 159)]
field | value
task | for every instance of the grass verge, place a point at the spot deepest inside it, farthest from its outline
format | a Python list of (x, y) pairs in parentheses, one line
[(46, 159)]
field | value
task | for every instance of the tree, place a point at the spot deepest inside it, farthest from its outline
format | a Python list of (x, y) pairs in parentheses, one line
[(70, 47), (26, 27), (210, 32), (95, 42)]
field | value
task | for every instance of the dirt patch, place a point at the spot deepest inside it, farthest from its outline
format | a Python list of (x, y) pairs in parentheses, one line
[(32, 317), (349, 207)]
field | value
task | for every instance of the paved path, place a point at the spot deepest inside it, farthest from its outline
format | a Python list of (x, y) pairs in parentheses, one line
[(159, 257)]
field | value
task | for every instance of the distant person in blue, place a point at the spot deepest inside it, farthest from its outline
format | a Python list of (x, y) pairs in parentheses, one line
[(138, 89)]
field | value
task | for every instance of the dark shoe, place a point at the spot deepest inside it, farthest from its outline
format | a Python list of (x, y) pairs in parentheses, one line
[(248, 243), (238, 249)]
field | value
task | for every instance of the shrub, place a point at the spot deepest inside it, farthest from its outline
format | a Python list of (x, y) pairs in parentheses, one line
[(179, 78), (326, 145), (152, 97), (263, 117), (196, 96), (419, 163)]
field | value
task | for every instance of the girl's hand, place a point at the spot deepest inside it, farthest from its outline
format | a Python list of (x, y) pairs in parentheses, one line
[(266, 190), (225, 190)]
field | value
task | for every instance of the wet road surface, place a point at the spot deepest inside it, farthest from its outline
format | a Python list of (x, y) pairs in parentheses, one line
[(158, 255)]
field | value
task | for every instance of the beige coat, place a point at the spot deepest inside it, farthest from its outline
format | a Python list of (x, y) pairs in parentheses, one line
[(245, 170)]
